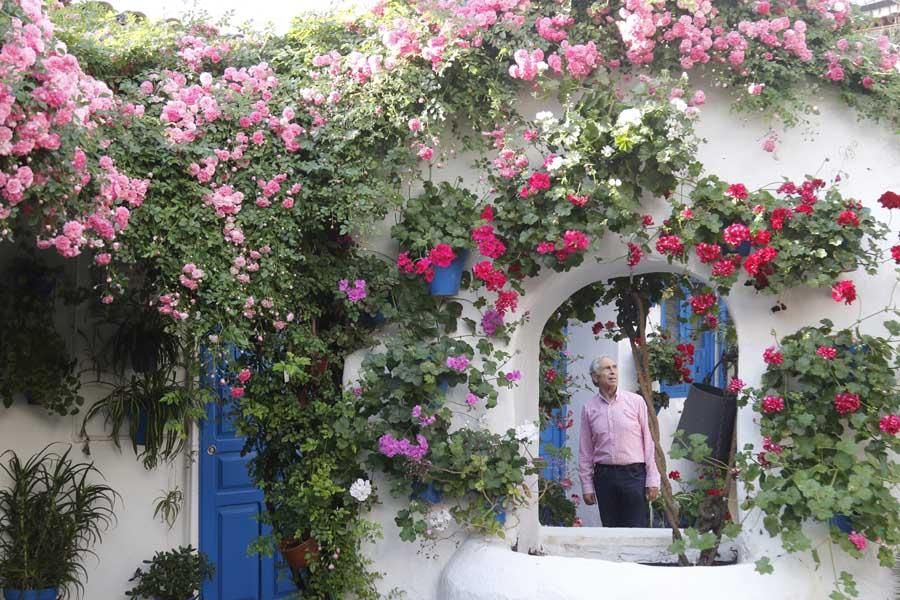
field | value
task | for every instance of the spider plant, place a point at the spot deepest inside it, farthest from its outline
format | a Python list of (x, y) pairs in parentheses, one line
[(158, 411), (51, 516)]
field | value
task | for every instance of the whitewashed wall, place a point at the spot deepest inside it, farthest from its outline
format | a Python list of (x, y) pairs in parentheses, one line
[(868, 157), (867, 154), (135, 536)]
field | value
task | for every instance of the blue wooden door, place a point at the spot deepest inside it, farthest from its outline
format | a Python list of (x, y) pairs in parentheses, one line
[(230, 505)]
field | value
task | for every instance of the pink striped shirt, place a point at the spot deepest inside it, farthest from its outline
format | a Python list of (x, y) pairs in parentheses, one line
[(615, 433)]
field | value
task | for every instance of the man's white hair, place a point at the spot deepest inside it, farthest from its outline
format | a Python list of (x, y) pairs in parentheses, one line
[(595, 364)]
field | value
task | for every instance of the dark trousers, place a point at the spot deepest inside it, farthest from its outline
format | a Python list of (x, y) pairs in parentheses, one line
[(621, 495)]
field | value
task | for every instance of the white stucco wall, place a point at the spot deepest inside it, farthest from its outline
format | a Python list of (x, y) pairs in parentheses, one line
[(868, 157), (135, 535), (867, 154)]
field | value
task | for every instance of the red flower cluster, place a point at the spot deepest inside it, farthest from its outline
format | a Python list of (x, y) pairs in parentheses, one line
[(735, 385), (635, 254), (757, 262), (487, 213), (488, 243), (725, 267), (735, 234), (670, 245), (890, 424), (597, 327), (772, 357), (843, 291), (772, 404), (536, 183), (846, 403), (890, 200), (708, 253), (827, 352), (577, 200), (737, 191), (507, 301), (779, 216), (895, 253), (675, 475), (442, 255), (684, 358), (493, 278), (646, 220), (701, 303), (848, 218), (770, 446), (420, 267), (550, 375)]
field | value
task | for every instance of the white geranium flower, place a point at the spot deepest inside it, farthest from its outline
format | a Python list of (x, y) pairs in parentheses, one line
[(438, 520), (607, 151), (544, 115), (527, 432), (361, 489), (679, 104), (555, 164), (629, 117)]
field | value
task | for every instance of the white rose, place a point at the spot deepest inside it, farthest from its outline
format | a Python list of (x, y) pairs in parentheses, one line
[(629, 117), (361, 489)]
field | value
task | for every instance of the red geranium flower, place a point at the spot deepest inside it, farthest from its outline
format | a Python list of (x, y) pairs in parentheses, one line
[(674, 475), (890, 424), (772, 357), (890, 200), (846, 403), (895, 253), (539, 181), (737, 190), (772, 404), (827, 352), (844, 291), (848, 217)]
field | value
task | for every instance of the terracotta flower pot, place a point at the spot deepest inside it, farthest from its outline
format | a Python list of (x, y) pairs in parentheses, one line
[(299, 554)]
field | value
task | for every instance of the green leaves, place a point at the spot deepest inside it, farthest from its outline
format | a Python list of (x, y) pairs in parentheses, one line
[(764, 566)]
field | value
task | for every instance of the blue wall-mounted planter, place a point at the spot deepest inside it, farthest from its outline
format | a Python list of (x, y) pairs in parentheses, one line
[(842, 522), (446, 279), (140, 436), (429, 493), (44, 594)]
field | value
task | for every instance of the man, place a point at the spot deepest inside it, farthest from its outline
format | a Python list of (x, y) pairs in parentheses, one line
[(617, 457)]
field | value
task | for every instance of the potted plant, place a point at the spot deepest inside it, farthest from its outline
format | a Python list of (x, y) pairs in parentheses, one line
[(158, 410), (172, 575), (436, 227), (34, 362), (50, 517)]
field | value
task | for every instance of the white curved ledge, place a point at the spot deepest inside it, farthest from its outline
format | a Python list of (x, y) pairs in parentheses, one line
[(485, 570)]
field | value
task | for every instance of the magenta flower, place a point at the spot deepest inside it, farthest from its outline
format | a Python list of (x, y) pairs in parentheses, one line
[(458, 363)]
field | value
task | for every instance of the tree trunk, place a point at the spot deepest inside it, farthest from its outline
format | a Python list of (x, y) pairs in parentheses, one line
[(670, 508)]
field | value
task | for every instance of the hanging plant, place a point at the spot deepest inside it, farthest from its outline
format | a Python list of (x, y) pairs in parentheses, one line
[(806, 234)]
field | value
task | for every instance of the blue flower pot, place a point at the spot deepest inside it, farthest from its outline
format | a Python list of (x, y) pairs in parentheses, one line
[(842, 522), (500, 512), (44, 594), (429, 493), (446, 279), (140, 436)]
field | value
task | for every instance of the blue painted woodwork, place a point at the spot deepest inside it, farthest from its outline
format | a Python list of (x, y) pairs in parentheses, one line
[(552, 435), (708, 349), (230, 504)]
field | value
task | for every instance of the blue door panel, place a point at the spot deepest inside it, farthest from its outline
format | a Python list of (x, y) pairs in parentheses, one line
[(240, 579), (231, 505)]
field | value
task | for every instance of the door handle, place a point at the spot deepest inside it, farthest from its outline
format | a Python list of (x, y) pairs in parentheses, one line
[(211, 449)]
